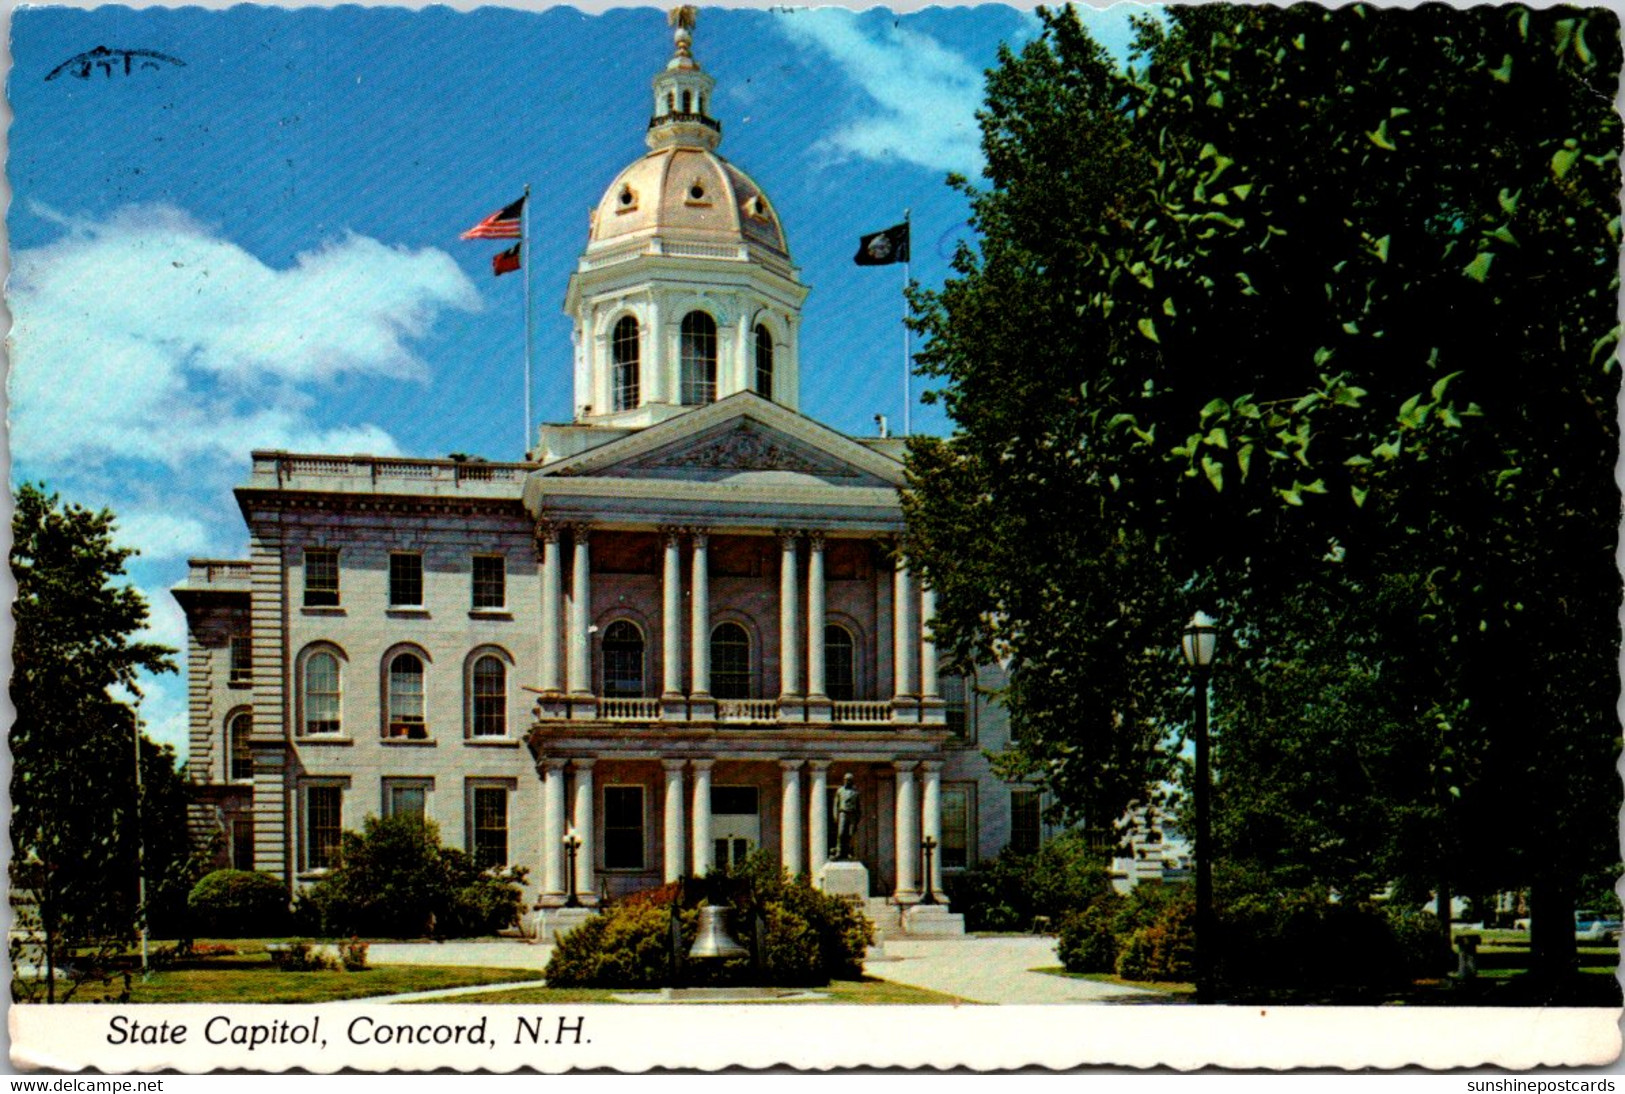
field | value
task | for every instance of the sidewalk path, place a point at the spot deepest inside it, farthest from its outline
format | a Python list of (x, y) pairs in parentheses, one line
[(993, 970)]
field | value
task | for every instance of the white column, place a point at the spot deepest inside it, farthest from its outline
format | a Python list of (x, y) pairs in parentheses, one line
[(703, 861), (700, 610), (789, 647), (583, 821), (815, 615), (552, 827), (580, 612), (671, 616), (931, 817), (551, 588), (674, 819), (818, 816), (905, 633), (907, 814), (929, 687), (790, 817)]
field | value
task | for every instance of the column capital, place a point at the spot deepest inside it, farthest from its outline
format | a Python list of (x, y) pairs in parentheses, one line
[(701, 534), (787, 538), (701, 766), (671, 534), (904, 767), (672, 766), (815, 541), (930, 767), (582, 763), (553, 764), (547, 531), (580, 529), (789, 766), (816, 766)]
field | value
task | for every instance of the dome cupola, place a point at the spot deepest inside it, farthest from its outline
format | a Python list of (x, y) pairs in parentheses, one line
[(685, 293)]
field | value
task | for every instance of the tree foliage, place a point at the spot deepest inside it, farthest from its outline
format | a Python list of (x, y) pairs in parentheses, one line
[(1308, 319), (75, 834)]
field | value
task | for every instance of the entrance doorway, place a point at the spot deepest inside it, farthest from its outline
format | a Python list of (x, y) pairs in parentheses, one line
[(736, 824)]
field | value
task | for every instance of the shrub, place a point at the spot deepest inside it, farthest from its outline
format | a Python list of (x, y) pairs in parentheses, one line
[(395, 880), (302, 956), (1088, 941), (353, 955), (1164, 949), (1009, 892), (238, 904), (807, 937)]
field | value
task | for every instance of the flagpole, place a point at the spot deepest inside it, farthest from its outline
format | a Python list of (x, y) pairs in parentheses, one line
[(908, 397), (524, 264)]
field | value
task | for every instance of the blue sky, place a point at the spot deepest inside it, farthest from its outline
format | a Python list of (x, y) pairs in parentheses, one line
[(259, 249)]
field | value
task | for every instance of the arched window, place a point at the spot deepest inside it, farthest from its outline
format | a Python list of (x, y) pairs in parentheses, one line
[(623, 661), (321, 705), (699, 359), (688, 102), (624, 352), (488, 687), (238, 727), (730, 662), (764, 362), (406, 697), (840, 671)]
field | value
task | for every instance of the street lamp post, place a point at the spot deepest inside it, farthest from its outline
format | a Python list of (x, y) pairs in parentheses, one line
[(1200, 640), (929, 846), (572, 847)]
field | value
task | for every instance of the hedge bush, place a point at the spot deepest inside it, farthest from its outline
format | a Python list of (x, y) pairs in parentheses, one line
[(1164, 949), (238, 904), (807, 937), (1088, 939), (394, 880), (1010, 892)]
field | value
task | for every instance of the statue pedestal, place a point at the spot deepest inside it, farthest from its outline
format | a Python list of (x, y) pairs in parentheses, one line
[(548, 925), (845, 879)]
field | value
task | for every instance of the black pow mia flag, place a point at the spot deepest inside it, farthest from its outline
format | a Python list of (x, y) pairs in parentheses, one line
[(883, 248)]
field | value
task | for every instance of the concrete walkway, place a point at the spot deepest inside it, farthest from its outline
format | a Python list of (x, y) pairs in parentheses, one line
[(984, 970), (994, 970)]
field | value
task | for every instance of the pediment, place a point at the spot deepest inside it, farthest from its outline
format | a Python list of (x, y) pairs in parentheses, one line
[(741, 444)]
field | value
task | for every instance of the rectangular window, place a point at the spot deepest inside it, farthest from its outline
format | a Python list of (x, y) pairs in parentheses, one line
[(405, 580), (242, 843), (242, 659), (323, 810), (623, 827), (490, 809), (406, 799), (490, 581), (956, 827), (956, 694), (1025, 833), (321, 577)]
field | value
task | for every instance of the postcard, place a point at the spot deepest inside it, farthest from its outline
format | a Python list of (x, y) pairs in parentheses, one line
[(813, 537)]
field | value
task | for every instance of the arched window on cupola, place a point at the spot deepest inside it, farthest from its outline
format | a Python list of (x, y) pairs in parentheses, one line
[(699, 359), (764, 361), (624, 378), (688, 102)]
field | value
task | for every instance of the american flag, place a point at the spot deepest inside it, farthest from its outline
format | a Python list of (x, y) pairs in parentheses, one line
[(503, 224)]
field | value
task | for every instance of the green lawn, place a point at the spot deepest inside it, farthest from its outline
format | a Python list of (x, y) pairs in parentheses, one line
[(211, 975), (868, 991)]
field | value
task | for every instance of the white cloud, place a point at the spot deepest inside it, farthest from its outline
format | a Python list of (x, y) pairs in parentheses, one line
[(925, 95), (162, 535), (147, 337)]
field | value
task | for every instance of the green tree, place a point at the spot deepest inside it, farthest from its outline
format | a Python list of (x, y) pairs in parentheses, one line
[(1313, 318), (77, 844)]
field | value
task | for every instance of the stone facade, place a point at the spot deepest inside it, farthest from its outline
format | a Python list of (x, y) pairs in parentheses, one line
[(670, 632)]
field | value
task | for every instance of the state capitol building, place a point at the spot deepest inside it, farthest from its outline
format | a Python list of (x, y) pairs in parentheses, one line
[(671, 630)]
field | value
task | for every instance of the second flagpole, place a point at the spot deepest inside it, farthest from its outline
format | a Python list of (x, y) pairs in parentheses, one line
[(524, 265), (908, 394)]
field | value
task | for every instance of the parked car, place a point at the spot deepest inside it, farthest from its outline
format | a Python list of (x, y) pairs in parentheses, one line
[(1596, 927)]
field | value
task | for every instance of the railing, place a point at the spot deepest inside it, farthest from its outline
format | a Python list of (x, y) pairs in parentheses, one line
[(747, 710), (370, 471), (628, 710), (210, 571), (860, 712), (701, 250)]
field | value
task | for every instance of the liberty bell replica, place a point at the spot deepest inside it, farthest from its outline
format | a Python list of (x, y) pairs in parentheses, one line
[(713, 939)]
